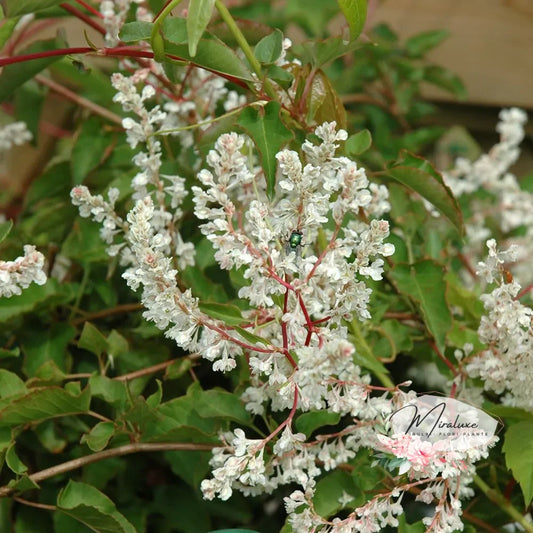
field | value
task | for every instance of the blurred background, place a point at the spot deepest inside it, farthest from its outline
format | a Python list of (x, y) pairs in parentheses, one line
[(490, 47)]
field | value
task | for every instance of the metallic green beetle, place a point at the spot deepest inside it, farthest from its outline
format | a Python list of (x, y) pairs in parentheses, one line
[(294, 243), (295, 239)]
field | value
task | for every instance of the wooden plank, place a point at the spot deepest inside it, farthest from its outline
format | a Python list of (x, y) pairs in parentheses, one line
[(490, 44)]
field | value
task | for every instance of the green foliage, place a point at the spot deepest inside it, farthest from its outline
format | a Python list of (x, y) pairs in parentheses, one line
[(269, 133), (198, 18), (516, 460), (84, 375)]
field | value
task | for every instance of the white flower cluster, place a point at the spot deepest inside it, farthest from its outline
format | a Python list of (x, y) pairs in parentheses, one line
[(509, 206), (20, 273), (202, 93), (14, 134), (506, 366), (167, 191), (114, 13)]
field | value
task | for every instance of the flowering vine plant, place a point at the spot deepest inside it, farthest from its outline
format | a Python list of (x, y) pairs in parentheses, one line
[(229, 278)]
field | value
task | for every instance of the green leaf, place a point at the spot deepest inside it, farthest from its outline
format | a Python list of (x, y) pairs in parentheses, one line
[(11, 384), (445, 79), (6, 30), (269, 133), (198, 17), (89, 506), (178, 368), (229, 314), (22, 484), (323, 102), (13, 8), (425, 282), (318, 53), (14, 75), (13, 461), (269, 48), (420, 176), (358, 143), (191, 466), (48, 344), (28, 300), (520, 462), (29, 100), (5, 228), (43, 403), (252, 338), (211, 54), (419, 44), (99, 436), (281, 76), (308, 422), (220, 404), (331, 488), (175, 30), (355, 13), (88, 149), (92, 340), (136, 31), (110, 390)]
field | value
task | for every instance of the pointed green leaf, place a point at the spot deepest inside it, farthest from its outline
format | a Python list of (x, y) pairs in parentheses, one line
[(269, 48), (10, 384), (324, 103), (198, 17), (517, 440), (45, 345), (28, 300), (445, 79), (355, 13), (308, 422), (138, 30), (91, 507), (252, 338), (43, 403), (331, 489), (99, 436), (220, 404), (13, 461), (425, 283), (418, 45), (269, 133), (211, 54), (420, 176), (358, 143), (92, 340), (229, 314)]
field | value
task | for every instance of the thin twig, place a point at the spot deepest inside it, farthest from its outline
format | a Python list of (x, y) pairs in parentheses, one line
[(118, 310), (127, 449), (44, 506), (80, 100), (145, 371)]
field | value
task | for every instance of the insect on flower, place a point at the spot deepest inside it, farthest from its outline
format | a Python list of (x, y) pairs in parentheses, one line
[(294, 243)]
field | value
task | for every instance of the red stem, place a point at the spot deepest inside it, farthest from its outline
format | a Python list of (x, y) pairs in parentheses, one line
[(39, 55), (90, 8), (444, 360), (82, 16), (309, 322), (524, 291), (283, 323)]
